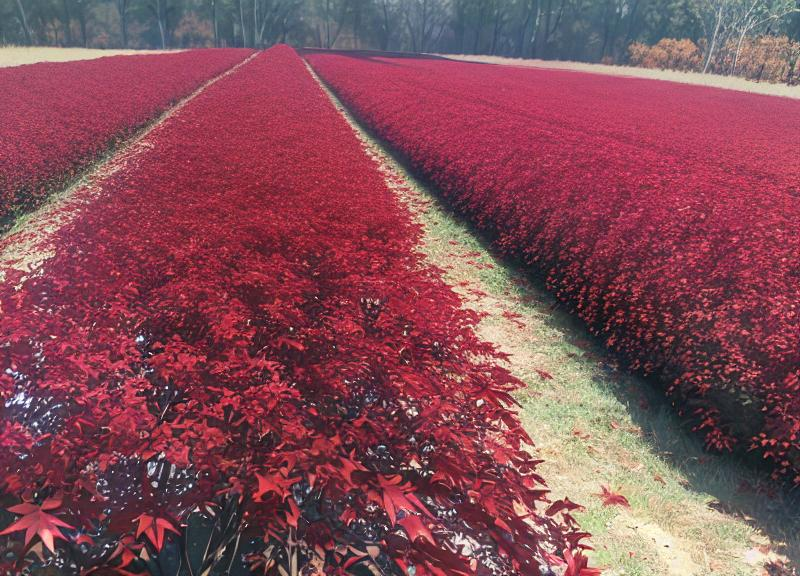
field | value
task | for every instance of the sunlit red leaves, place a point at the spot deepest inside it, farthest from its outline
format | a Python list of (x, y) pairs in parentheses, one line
[(126, 552), (276, 484), (578, 565), (37, 521), (398, 495), (244, 320), (665, 216), (56, 118), (154, 529)]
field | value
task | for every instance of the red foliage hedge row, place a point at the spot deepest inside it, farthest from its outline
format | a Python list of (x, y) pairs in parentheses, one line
[(667, 215), (56, 118), (239, 327)]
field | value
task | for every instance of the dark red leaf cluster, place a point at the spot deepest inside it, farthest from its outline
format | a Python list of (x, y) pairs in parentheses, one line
[(667, 215), (56, 118), (240, 323)]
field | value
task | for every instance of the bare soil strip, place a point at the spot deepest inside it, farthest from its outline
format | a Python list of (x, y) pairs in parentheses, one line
[(19, 55), (696, 78), (26, 245), (690, 513)]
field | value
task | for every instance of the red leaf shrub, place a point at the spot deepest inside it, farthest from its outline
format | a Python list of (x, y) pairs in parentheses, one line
[(240, 323), (56, 118), (667, 215)]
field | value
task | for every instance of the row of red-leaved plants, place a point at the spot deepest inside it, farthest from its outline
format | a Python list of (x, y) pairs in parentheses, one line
[(666, 215), (57, 118)]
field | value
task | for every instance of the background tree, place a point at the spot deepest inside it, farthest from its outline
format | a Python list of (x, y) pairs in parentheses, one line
[(23, 20), (756, 38)]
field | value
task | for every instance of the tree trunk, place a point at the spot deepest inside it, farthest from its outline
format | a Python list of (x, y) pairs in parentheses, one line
[(424, 31), (411, 33), (123, 21), (241, 19), (631, 25), (547, 15), (328, 24), (162, 32), (67, 27), (712, 44), (549, 32), (24, 19), (738, 51), (478, 29), (496, 31), (82, 22), (606, 28), (385, 36), (519, 49), (357, 24), (214, 22), (535, 30)]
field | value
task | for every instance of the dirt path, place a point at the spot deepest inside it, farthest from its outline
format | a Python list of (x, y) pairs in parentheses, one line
[(19, 55), (27, 245), (713, 80), (690, 513)]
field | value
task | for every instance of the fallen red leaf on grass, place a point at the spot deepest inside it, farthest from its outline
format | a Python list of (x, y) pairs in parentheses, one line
[(612, 498)]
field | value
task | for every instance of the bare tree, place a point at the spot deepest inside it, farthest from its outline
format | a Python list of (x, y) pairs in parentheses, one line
[(241, 21), (24, 21), (83, 11), (500, 12), (334, 15), (274, 16), (67, 22), (524, 11), (483, 9), (425, 22), (725, 19), (387, 15), (161, 11), (719, 11), (759, 14), (214, 22), (551, 23)]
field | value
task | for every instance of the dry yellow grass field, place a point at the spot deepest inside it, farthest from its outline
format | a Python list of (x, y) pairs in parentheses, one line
[(714, 80), (19, 55)]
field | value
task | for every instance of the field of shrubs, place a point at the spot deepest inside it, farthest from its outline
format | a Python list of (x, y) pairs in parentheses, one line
[(676, 246), (231, 356), (57, 118)]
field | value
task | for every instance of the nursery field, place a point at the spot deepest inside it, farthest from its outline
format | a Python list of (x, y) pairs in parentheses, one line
[(673, 239), (331, 313), (57, 118)]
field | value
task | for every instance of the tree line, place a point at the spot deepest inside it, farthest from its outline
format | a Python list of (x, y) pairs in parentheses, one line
[(587, 30)]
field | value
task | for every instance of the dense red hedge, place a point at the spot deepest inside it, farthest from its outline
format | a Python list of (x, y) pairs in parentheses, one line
[(667, 215), (56, 118), (239, 327)]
